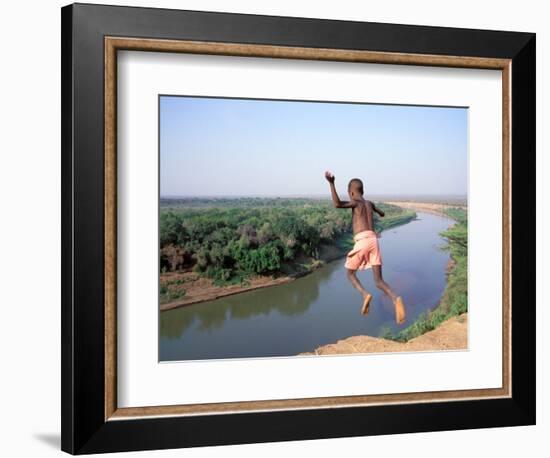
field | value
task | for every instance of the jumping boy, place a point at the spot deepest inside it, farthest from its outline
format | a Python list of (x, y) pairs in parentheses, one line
[(366, 252)]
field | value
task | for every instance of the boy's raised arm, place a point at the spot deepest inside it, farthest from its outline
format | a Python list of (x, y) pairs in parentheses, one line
[(335, 199)]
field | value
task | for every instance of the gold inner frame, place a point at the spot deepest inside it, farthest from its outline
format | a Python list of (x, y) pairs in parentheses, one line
[(112, 45)]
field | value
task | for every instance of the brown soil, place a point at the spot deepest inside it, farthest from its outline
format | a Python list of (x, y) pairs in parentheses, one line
[(200, 289), (449, 335)]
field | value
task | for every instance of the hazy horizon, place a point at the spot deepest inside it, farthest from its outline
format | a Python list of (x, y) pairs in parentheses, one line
[(217, 147)]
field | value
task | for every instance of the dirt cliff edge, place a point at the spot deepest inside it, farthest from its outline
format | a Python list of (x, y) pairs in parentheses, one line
[(452, 334)]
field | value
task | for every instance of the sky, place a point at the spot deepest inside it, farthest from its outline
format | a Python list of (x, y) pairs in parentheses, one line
[(244, 147)]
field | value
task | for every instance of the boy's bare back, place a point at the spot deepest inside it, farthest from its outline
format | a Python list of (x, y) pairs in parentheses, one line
[(362, 219)]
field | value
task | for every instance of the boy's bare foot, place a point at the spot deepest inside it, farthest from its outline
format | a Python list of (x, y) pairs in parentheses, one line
[(399, 310), (366, 302)]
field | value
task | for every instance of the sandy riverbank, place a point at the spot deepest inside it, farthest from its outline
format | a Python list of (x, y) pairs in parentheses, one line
[(200, 289), (436, 209), (452, 334)]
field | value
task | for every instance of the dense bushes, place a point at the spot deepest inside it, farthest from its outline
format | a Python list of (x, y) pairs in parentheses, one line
[(229, 240)]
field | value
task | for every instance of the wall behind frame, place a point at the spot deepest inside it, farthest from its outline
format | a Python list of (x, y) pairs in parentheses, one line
[(30, 233)]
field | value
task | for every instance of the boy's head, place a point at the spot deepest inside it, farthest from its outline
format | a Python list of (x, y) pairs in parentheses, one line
[(355, 188)]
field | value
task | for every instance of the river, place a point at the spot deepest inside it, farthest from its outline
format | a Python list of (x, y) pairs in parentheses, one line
[(314, 310)]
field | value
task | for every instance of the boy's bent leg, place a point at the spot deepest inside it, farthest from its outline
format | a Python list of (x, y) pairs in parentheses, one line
[(357, 285), (381, 284), (355, 282)]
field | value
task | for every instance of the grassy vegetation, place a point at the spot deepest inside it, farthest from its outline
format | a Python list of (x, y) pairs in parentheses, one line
[(171, 290), (230, 240), (455, 297)]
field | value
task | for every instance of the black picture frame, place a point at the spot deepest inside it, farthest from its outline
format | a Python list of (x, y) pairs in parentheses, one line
[(84, 428)]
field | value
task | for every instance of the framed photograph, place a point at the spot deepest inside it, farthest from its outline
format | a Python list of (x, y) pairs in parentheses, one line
[(281, 228)]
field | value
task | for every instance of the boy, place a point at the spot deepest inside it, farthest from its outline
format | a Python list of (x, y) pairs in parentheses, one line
[(366, 252)]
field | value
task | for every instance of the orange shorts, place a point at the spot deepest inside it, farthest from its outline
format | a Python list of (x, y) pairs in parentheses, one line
[(365, 253)]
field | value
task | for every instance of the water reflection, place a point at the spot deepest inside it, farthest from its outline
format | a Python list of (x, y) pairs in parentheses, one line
[(285, 300)]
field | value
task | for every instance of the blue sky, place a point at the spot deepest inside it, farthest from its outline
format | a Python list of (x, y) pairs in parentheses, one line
[(241, 147)]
